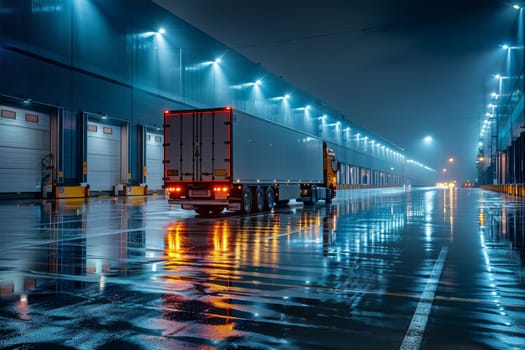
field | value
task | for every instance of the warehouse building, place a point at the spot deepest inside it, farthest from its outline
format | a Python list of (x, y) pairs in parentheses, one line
[(85, 83), (501, 148)]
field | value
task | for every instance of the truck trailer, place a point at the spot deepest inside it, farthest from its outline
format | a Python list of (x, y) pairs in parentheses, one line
[(222, 158)]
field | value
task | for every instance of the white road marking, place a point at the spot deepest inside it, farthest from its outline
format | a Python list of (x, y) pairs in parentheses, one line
[(414, 334), (282, 235)]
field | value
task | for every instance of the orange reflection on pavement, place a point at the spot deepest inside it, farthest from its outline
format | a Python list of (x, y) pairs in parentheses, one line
[(173, 240), (504, 222), (23, 308), (221, 236), (200, 266)]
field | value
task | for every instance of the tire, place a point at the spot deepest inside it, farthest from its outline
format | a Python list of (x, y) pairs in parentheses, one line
[(329, 195), (246, 201), (259, 199), (270, 198), (313, 197)]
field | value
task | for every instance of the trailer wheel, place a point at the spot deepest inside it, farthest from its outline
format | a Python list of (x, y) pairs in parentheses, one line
[(259, 198), (270, 198), (247, 200), (313, 196), (329, 195)]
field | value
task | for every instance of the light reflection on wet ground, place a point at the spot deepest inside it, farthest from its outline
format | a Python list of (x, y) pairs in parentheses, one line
[(137, 273)]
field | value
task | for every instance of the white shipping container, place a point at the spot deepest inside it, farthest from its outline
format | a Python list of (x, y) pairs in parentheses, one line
[(207, 146)]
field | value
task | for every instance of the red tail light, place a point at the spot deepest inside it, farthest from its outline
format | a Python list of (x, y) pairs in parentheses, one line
[(174, 189), (223, 189)]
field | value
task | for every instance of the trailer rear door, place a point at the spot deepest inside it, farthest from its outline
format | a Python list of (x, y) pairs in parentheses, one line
[(197, 145)]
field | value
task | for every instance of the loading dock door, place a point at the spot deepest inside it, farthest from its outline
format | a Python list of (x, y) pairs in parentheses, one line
[(103, 156), (24, 143), (154, 157)]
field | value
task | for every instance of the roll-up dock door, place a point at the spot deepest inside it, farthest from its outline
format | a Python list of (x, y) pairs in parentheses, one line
[(104, 156), (154, 157), (24, 149)]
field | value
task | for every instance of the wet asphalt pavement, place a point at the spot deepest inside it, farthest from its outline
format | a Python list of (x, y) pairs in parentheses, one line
[(376, 269)]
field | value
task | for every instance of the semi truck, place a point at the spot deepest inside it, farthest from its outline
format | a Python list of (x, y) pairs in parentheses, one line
[(223, 158)]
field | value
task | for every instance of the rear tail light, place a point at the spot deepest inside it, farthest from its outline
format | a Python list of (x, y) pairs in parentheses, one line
[(174, 189), (221, 189)]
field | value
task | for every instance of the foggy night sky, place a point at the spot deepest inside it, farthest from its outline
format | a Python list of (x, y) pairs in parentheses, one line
[(403, 69)]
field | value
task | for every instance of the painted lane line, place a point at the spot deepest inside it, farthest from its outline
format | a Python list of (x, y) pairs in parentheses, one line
[(414, 334), (281, 235)]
